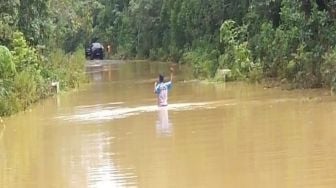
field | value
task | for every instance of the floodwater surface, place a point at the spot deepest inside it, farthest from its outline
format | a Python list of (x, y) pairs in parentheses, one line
[(111, 134)]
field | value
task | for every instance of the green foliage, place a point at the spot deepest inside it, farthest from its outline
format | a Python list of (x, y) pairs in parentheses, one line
[(8, 19), (299, 69), (126, 39), (25, 87), (313, 36), (34, 20), (237, 57), (289, 39), (229, 33), (203, 61), (293, 48), (23, 55), (255, 74), (71, 23), (75, 69), (175, 53), (140, 28), (9, 104), (328, 69), (22, 82), (26, 76), (68, 69), (7, 67), (243, 61)]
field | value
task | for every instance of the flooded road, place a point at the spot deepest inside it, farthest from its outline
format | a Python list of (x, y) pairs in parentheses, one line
[(111, 134)]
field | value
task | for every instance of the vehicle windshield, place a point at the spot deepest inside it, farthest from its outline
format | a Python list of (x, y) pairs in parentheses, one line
[(96, 45)]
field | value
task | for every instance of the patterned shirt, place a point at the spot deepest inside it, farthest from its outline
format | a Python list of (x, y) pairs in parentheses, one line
[(161, 90)]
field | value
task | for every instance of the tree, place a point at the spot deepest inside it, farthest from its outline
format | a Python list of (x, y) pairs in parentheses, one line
[(34, 20)]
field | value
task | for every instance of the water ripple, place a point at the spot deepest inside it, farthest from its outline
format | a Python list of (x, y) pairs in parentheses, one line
[(108, 113)]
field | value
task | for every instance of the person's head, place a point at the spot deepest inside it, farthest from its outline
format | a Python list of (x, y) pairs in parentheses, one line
[(161, 78)]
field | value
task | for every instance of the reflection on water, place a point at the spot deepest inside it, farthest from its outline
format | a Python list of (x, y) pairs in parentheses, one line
[(112, 134), (97, 76), (163, 125), (2, 129), (2, 146)]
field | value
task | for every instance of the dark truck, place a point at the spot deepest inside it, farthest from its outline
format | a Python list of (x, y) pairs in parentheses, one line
[(95, 51)]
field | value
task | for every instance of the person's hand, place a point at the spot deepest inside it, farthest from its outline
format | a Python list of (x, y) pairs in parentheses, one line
[(171, 69), (155, 83)]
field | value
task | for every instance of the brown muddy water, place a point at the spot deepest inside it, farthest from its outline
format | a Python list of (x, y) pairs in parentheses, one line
[(111, 134)]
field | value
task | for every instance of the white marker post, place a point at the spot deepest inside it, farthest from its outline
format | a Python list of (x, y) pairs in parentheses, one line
[(55, 85)]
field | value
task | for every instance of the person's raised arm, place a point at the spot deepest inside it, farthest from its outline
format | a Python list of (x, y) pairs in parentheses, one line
[(155, 84), (171, 74)]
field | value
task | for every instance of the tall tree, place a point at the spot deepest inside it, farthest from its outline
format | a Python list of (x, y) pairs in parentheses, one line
[(34, 20)]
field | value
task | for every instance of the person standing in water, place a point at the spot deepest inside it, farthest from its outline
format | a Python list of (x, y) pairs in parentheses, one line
[(163, 126), (161, 89)]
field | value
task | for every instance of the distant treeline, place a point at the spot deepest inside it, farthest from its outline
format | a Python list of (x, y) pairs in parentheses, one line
[(291, 40)]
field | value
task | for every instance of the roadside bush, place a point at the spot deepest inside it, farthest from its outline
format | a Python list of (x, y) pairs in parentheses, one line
[(195, 60), (23, 55), (255, 74), (9, 104), (237, 57), (328, 69), (7, 66), (242, 61), (153, 54), (68, 69), (333, 86), (26, 76), (203, 61), (300, 69), (125, 52), (25, 88), (162, 54), (75, 69), (175, 54)]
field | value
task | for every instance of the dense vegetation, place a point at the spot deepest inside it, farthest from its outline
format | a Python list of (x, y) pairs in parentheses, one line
[(30, 35), (290, 40)]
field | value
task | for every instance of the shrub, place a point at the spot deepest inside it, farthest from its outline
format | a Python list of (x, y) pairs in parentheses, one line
[(203, 61), (68, 69), (23, 55), (9, 104), (175, 54), (7, 66), (25, 88), (75, 69), (153, 54), (25, 76), (237, 56), (255, 73), (328, 69)]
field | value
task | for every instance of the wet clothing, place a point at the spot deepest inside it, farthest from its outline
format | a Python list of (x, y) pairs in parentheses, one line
[(161, 89)]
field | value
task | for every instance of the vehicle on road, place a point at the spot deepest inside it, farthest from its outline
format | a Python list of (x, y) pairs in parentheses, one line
[(95, 51)]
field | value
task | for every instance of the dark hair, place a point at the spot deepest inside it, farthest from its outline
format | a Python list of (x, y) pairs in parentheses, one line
[(161, 78)]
